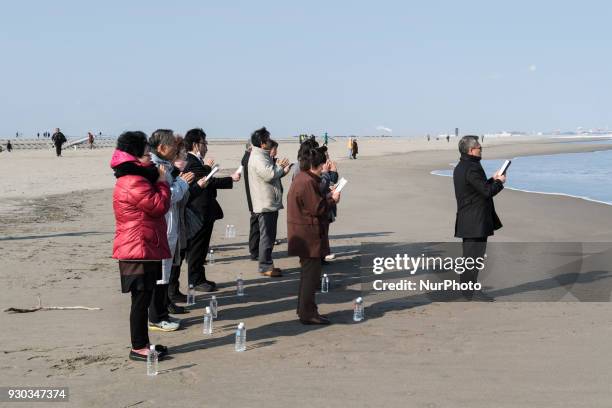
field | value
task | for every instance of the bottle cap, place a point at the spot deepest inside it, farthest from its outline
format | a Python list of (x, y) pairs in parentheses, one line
[(191, 286), (152, 347), (325, 275), (359, 299), (241, 325), (213, 297), (207, 310)]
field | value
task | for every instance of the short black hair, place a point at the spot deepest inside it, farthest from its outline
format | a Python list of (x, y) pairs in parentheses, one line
[(310, 158), (306, 146), (194, 136), (133, 142), (273, 143), (260, 136)]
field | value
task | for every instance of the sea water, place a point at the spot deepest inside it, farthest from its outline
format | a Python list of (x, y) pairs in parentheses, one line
[(583, 175)]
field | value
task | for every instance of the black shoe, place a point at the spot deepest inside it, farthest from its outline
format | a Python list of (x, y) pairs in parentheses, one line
[(480, 296), (205, 287), (175, 309), (320, 320), (178, 297)]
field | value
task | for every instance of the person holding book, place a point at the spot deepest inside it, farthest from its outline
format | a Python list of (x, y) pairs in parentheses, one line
[(203, 202), (307, 219), (476, 218)]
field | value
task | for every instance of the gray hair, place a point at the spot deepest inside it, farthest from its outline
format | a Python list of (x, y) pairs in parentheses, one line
[(468, 142), (161, 137)]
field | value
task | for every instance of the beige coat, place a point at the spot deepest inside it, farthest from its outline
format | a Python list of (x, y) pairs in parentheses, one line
[(264, 182)]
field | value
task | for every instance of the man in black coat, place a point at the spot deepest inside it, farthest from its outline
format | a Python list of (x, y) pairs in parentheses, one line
[(58, 140), (203, 201), (476, 217), (254, 221)]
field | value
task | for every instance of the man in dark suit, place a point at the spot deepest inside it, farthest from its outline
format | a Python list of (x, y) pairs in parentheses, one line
[(203, 201), (476, 217), (254, 221)]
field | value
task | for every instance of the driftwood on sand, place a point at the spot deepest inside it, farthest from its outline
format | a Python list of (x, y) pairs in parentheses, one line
[(41, 307)]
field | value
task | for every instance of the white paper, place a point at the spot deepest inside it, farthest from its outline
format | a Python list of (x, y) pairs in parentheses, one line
[(212, 173), (504, 167), (239, 171), (341, 184)]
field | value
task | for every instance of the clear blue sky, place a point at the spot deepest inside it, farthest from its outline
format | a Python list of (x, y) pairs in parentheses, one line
[(337, 66)]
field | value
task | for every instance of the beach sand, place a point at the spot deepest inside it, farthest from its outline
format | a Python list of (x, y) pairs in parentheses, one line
[(56, 237)]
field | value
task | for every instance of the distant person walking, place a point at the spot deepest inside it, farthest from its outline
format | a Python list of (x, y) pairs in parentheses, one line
[(325, 139), (349, 147), (90, 140), (447, 138), (58, 140), (355, 149), (476, 217), (9, 146), (140, 201), (266, 195)]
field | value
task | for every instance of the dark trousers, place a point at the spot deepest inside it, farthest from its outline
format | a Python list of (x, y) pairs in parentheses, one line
[(267, 237), (158, 308), (58, 150), (139, 327), (472, 248), (196, 254), (310, 275), (175, 274), (254, 236)]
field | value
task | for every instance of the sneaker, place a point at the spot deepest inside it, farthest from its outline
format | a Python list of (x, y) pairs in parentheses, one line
[(164, 326), (330, 257), (174, 320)]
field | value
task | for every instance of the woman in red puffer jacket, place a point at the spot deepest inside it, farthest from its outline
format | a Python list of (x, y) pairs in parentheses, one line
[(140, 201)]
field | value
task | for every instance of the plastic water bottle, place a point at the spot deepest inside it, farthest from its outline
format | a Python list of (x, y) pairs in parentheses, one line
[(240, 286), (208, 321), (190, 296), (232, 231), (324, 283), (213, 306), (358, 311), (211, 257), (152, 361), (227, 231), (241, 337)]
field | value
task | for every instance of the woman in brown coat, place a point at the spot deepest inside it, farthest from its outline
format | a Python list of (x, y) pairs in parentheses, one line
[(307, 219)]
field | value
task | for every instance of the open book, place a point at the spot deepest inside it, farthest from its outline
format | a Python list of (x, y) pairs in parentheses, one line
[(341, 184)]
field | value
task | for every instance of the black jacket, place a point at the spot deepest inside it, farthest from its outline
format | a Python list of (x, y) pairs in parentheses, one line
[(58, 138), (476, 215), (204, 200), (245, 170)]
